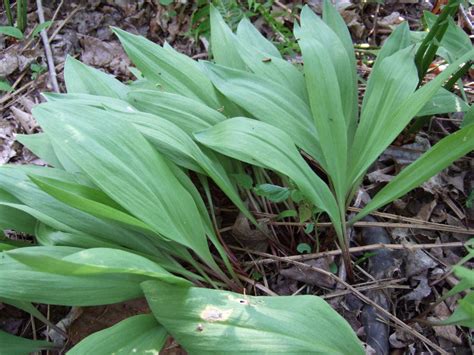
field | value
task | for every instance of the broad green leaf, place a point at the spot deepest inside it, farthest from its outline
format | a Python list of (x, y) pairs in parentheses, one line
[(334, 56), (116, 163), (188, 114), (404, 111), (41, 146), (273, 192), (199, 319), (95, 262), (269, 102), (84, 285), (92, 100), (223, 44), (440, 156), (275, 69), (87, 199), (268, 63), (11, 31), (394, 80), (82, 79), (179, 147), (48, 236), (29, 198), (398, 40), (174, 72), (13, 345), (11, 218), (139, 334), (443, 102), (261, 144), (327, 108), (334, 20), (247, 33)]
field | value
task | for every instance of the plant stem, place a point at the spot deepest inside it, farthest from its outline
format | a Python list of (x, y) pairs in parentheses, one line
[(21, 14), (8, 11), (344, 244)]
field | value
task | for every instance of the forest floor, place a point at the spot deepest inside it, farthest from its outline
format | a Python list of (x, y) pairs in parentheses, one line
[(412, 275)]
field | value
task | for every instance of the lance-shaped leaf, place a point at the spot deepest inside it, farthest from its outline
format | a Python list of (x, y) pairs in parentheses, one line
[(82, 79), (188, 114), (257, 53), (180, 147), (247, 33), (223, 44), (398, 120), (24, 195), (135, 335), (95, 261), (398, 40), (69, 276), (41, 146), (89, 200), (269, 102), (11, 218), (393, 81), (124, 166), (14, 345), (443, 102), (429, 164), (341, 59), (266, 146), (92, 100), (173, 71), (200, 319), (328, 112)]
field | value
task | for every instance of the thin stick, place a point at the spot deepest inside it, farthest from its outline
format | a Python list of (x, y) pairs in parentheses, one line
[(365, 299), (28, 85), (382, 286), (409, 247), (258, 285), (435, 227), (47, 48)]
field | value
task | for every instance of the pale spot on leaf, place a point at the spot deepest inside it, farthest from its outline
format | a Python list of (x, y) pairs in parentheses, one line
[(213, 314)]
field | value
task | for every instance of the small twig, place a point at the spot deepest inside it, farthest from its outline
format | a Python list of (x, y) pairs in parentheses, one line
[(11, 95), (63, 22), (381, 286), (258, 285), (436, 227), (365, 299), (364, 248), (47, 48)]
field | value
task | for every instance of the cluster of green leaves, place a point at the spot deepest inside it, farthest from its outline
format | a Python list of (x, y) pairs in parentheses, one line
[(17, 29), (116, 215), (317, 111), (233, 11)]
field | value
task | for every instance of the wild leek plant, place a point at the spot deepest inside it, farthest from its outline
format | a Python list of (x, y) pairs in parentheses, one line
[(117, 217)]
